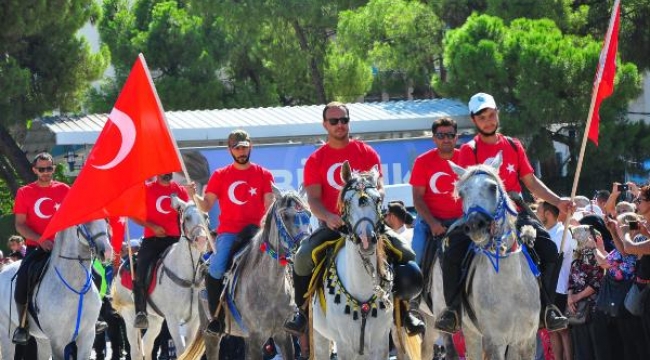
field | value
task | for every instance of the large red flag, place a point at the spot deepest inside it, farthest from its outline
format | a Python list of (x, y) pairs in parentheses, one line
[(604, 82), (134, 145)]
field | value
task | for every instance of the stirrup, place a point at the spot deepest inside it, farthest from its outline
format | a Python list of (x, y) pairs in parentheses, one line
[(296, 325), (21, 336), (413, 325), (554, 320), (448, 321), (141, 321), (215, 328)]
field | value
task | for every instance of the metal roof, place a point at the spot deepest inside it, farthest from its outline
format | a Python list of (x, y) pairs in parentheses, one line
[(276, 122)]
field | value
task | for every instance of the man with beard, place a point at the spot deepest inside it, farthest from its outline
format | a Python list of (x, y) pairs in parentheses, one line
[(161, 230), (243, 190), (515, 168)]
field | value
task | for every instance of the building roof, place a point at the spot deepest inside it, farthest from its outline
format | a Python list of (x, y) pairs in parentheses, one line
[(211, 127)]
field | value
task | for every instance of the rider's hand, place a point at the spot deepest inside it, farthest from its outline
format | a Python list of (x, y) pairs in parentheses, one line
[(47, 245), (438, 229), (159, 231), (566, 205), (191, 189), (334, 221)]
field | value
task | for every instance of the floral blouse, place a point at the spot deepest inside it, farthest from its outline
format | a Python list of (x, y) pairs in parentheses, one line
[(623, 267), (585, 272)]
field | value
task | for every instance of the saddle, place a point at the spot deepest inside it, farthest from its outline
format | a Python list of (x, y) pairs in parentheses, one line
[(125, 273)]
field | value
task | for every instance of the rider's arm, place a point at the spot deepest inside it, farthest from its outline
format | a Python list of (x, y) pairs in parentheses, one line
[(268, 200), (315, 200), (157, 229), (537, 187), (205, 202), (23, 229)]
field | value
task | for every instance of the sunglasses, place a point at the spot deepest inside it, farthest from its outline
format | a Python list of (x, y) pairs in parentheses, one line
[(45, 169), (336, 121), (441, 136), (638, 200)]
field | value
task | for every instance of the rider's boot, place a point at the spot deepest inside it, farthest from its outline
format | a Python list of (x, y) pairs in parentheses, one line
[(215, 287), (140, 300), (412, 323), (21, 334), (100, 326), (551, 315), (298, 323), (449, 319)]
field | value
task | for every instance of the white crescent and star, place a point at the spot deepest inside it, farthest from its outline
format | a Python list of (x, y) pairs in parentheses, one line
[(159, 204), (231, 193), (37, 207), (330, 176), (434, 179), (126, 127)]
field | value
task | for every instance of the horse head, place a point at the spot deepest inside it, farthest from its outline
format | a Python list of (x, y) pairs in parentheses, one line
[(93, 235), (486, 206), (360, 205), (289, 216), (194, 223)]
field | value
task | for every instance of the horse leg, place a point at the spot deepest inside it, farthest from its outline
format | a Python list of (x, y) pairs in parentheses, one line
[(321, 348), (450, 347), (175, 333), (284, 342), (155, 324), (525, 349), (254, 344), (473, 345), (212, 346), (495, 351)]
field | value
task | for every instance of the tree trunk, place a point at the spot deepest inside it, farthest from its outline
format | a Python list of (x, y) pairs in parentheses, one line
[(316, 76), (13, 163)]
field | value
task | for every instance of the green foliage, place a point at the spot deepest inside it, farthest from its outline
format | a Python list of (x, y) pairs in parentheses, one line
[(539, 76), (398, 38)]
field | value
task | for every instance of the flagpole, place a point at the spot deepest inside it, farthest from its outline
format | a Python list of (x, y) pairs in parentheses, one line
[(585, 136), (162, 110)]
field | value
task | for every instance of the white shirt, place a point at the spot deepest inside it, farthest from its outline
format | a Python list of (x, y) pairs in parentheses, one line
[(569, 245), (407, 234)]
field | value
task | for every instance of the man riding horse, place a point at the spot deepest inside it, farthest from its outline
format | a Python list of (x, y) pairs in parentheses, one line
[(322, 192), (243, 190), (516, 166)]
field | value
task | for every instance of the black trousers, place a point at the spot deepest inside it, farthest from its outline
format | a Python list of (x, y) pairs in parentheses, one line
[(33, 254), (150, 250)]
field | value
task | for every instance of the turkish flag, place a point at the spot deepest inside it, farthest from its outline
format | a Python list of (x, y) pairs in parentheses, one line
[(134, 145), (604, 82)]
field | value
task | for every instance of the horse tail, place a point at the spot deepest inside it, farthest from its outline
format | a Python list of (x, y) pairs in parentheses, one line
[(118, 302), (195, 350)]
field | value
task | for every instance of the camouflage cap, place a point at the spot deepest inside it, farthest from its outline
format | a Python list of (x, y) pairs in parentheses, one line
[(239, 138)]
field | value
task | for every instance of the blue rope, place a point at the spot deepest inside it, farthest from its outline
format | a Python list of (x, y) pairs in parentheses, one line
[(81, 294)]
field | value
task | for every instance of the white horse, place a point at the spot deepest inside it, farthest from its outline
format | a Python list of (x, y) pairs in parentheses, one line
[(65, 300), (357, 309), (259, 292), (176, 295), (501, 312)]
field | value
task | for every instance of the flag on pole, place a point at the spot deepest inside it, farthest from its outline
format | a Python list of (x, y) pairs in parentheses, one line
[(604, 82), (134, 145)]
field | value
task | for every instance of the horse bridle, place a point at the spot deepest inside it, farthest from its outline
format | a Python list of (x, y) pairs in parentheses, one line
[(195, 231), (361, 187), (82, 231)]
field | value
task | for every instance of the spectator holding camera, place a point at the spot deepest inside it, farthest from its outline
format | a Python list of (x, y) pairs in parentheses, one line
[(610, 206)]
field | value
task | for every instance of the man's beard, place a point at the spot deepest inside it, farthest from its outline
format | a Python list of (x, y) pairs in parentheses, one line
[(484, 133), (241, 160)]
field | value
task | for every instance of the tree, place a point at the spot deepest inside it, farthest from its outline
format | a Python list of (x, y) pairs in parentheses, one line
[(45, 66), (541, 78), (400, 40)]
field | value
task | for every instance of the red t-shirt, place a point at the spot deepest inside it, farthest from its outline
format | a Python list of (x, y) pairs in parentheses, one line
[(435, 174), (39, 204), (323, 167), (159, 207), (515, 163), (241, 195)]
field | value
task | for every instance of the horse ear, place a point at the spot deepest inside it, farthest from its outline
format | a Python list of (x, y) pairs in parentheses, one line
[(374, 172), (496, 161), (346, 172), (276, 191), (302, 191), (457, 169)]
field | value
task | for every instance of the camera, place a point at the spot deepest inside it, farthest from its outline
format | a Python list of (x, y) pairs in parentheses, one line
[(634, 225), (622, 187)]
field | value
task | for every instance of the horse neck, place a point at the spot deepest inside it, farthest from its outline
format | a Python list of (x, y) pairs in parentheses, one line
[(356, 278), (182, 259)]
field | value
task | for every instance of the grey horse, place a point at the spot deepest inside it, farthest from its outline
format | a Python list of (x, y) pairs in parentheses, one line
[(178, 279), (65, 299), (263, 295), (501, 313)]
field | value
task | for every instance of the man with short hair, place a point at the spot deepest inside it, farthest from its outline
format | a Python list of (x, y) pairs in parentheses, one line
[(433, 180), (34, 207), (516, 167), (161, 230), (322, 194), (243, 190), (397, 217)]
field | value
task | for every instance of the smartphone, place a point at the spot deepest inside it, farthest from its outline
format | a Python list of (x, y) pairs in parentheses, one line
[(634, 225), (622, 187)]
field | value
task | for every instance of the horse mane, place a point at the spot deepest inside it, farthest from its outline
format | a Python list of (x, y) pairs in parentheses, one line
[(473, 170), (356, 176)]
